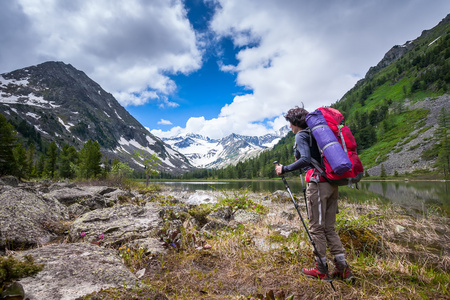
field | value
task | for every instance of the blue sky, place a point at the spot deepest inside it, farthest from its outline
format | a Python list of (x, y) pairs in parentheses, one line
[(214, 67)]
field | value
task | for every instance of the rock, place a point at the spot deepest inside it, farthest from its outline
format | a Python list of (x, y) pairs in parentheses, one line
[(281, 196), (74, 270), (9, 180), (151, 246), (118, 224), (76, 210), (284, 230), (287, 215), (224, 213), (28, 219), (399, 229), (84, 196), (245, 216)]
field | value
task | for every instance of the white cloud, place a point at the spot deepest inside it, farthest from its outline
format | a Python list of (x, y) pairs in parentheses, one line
[(309, 52), (128, 47), (164, 122)]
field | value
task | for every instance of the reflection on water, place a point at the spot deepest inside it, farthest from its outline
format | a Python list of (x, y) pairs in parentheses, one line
[(416, 195)]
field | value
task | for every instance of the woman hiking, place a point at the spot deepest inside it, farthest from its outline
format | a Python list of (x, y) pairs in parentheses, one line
[(322, 200)]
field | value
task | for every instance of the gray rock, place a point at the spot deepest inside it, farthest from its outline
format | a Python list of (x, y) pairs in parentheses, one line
[(118, 224), (245, 216), (281, 196), (74, 270), (84, 196), (9, 180), (28, 219), (76, 210), (285, 230)]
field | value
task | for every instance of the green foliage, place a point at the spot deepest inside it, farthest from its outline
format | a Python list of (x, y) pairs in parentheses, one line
[(22, 166), (12, 269), (121, 170), (68, 159), (240, 200), (151, 163), (90, 160), (7, 144), (355, 232), (50, 161)]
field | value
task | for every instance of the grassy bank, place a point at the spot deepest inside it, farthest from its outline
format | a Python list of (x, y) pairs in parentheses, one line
[(394, 256)]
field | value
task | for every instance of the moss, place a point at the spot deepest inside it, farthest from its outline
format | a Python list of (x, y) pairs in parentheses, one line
[(12, 269), (199, 213), (360, 240)]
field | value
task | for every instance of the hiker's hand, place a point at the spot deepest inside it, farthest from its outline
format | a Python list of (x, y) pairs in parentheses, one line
[(279, 169)]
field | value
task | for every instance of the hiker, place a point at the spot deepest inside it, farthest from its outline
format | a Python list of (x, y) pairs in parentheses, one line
[(322, 200)]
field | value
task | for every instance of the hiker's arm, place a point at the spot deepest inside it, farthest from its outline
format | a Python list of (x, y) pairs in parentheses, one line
[(304, 161)]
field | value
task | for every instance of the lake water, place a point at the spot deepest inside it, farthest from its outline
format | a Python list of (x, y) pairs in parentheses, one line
[(419, 196)]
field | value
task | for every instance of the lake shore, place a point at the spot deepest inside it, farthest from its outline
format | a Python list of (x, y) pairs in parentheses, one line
[(100, 240), (393, 255)]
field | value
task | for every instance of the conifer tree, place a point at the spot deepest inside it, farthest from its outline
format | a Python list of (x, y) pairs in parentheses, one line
[(7, 144), (20, 156), (443, 160), (383, 171), (90, 160), (51, 158), (68, 159)]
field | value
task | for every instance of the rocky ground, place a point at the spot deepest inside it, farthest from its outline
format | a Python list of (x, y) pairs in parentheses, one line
[(76, 230), (79, 232)]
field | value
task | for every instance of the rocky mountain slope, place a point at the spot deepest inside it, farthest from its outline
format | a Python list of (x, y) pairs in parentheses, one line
[(53, 101), (203, 152)]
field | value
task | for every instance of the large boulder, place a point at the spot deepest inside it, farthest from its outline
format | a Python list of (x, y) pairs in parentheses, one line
[(118, 224), (28, 219), (74, 270), (92, 197)]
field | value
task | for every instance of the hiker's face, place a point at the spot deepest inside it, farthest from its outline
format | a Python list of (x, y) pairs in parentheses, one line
[(294, 128)]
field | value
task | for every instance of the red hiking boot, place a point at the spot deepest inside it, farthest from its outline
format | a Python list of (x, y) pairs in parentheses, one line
[(318, 272), (343, 272)]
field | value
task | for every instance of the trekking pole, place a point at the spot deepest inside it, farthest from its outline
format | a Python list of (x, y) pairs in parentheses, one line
[(304, 225)]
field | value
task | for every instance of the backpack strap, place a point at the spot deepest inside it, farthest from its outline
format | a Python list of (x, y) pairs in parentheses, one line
[(341, 135)]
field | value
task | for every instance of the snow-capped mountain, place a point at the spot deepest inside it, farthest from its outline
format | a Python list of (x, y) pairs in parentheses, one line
[(53, 101), (203, 152)]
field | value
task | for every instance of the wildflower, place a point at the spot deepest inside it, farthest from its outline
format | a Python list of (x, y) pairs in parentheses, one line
[(101, 237), (82, 235)]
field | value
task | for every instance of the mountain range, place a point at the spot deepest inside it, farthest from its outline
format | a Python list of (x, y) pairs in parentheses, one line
[(203, 152), (54, 101)]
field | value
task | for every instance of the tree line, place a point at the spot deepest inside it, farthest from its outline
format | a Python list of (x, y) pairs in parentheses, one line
[(66, 162)]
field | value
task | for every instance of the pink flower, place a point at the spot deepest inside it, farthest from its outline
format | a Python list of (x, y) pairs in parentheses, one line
[(83, 234), (101, 237)]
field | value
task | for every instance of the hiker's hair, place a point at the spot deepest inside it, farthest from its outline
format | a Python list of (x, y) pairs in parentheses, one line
[(297, 116)]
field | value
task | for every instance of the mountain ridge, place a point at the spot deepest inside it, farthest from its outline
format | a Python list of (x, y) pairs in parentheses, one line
[(56, 102), (204, 152)]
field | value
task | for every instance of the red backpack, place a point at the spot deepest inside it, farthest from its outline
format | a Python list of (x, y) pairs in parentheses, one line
[(341, 164)]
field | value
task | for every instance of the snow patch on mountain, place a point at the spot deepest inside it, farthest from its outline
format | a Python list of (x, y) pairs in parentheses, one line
[(204, 152)]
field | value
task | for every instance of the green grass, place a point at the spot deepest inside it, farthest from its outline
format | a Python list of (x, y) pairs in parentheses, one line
[(402, 124)]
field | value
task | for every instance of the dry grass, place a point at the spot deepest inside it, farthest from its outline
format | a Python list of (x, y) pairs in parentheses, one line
[(407, 262)]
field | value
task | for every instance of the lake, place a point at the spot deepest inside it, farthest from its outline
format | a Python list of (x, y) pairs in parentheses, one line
[(419, 196)]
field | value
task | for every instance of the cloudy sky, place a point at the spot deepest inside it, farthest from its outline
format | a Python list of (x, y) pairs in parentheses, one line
[(213, 67)]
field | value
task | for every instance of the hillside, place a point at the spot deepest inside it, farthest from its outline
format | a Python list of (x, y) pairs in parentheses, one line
[(53, 101), (395, 112)]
